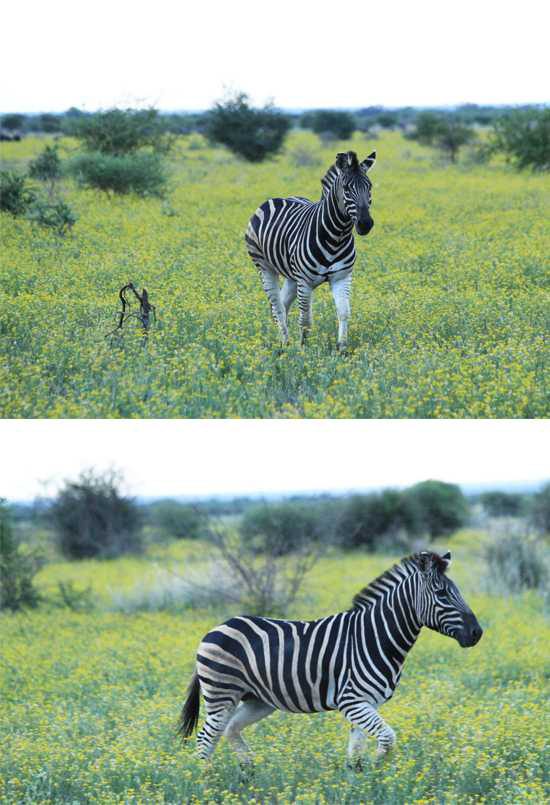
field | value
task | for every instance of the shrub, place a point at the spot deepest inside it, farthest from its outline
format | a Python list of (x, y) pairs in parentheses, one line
[(540, 510), (47, 165), (119, 132), (176, 519), (427, 128), (451, 136), (440, 508), (280, 528), (368, 521), (303, 157), (502, 504), (12, 121), (92, 518), (340, 125), (524, 138), (140, 173), (15, 196), (55, 215), (516, 562), (49, 123), (17, 569), (253, 134)]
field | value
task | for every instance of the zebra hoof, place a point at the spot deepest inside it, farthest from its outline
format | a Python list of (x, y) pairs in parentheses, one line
[(356, 765), (247, 771)]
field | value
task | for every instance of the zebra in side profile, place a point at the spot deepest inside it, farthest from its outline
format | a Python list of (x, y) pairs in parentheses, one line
[(251, 666), (311, 242)]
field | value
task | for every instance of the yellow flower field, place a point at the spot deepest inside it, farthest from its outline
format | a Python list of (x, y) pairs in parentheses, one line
[(449, 304), (90, 701)]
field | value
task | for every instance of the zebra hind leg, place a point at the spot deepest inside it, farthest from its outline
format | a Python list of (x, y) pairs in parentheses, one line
[(270, 283), (305, 296), (247, 713), (356, 748), (214, 725)]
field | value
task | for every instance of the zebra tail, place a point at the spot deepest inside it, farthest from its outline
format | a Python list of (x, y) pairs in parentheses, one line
[(190, 711)]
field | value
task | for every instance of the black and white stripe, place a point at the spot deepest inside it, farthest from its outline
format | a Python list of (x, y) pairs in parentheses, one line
[(308, 243), (248, 667)]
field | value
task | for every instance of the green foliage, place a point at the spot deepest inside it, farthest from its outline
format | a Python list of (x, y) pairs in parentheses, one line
[(451, 136), (502, 504), (92, 518), (253, 134), (141, 173), (327, 121), (280, 528), (51, 124), (524, 138), (427, 127), (17, 569), (118, 132), (13, 121), (47, 165), (440, 508), (516, 562), (367, 521), (176, 519), (53, 214), (540, 510), (15, 196)]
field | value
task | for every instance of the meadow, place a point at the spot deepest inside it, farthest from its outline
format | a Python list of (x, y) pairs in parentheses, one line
[(90, 701), (449, 304)]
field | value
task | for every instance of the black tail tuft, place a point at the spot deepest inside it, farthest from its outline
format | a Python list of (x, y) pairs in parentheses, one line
[(190, 710)]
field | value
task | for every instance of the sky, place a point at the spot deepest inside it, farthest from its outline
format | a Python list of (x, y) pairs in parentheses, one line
[(238, 457), (306, 54)]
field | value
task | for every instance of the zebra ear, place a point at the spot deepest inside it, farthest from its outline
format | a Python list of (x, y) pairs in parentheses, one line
[(425, 561), (347, 161), (367, 163), (447, 559)]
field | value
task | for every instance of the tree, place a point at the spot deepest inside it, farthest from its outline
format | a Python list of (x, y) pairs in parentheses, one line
[(92, 518), (366, 520), (540, 510), (13, 121), (502, 504), (176, 519), (118, 132), (440, 508), (253, 134), (51, 124), (329, 121), (280, 528), (17, 569), (427, 127), (451, 136), (524, 138)]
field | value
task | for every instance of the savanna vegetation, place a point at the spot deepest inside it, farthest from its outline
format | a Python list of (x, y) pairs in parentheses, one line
[(92, 681), (449, 304)]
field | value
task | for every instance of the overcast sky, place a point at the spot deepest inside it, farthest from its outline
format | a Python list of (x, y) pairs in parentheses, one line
[(183, 457), (178, 55)]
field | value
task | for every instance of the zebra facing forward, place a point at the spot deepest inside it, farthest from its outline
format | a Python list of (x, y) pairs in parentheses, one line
[(250, 666), (308, 243)]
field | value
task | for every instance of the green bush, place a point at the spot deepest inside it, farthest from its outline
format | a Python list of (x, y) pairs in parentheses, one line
[(92, 518), (540, 510), (524, 138), (15, 196), (516, 562), (176, 519), (12, 121), (47, 165), (366, 521), (17, 569), (55, 215), (427, 128), (340, 125), (439, 508), (452, 135), (502, 504), (118, 132), (280, 528), (140, 173), (253, 134)]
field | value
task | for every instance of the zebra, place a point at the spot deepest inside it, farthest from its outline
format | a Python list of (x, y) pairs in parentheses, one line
[(250, 666), (309, 243)]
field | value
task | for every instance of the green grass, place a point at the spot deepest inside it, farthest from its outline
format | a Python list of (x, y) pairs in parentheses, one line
[(449, 304), (90, 701)]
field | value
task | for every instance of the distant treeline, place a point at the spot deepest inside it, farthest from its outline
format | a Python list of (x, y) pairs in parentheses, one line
[(363, 119)]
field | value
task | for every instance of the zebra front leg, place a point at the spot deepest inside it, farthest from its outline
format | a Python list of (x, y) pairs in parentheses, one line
[(270, 282), (305, 296), (366, 717), (341, 289)]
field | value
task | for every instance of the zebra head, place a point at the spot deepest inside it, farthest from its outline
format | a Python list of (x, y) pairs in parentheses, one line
[(440, 605), (356, 189)]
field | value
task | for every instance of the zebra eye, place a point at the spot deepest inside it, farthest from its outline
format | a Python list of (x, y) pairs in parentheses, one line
[(442, 593)]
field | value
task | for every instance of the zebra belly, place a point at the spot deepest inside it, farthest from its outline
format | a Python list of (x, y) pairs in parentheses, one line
[(291, 665)]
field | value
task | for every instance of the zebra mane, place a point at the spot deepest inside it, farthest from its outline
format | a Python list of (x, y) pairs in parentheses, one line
[(373, 591), (328, 180)]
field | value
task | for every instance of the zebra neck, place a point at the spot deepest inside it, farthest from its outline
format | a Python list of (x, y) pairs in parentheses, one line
[(387, 622), (333, 214)]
